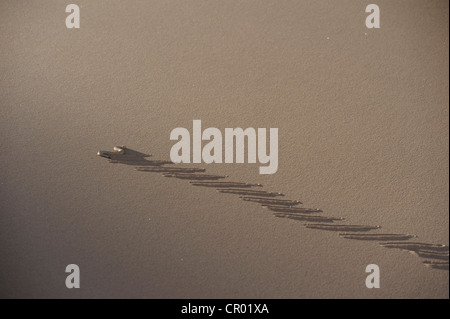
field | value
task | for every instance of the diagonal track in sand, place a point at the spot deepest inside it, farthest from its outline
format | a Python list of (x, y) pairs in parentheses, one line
[(283, 208)]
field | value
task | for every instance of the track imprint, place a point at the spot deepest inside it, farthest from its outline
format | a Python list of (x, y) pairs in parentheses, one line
[(435, 256)]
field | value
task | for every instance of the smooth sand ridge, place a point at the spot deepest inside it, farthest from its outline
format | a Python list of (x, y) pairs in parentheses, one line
[(283, 208)]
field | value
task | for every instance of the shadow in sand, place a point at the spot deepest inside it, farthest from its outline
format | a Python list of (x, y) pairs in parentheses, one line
[(122, 152), (170, 169), (309, 218), (342, 227), (198, 177), (225, 184), (416, 246), (292, 210), (430, 254), (127, 156), (140, 162), (377, 236), (270, 201), (436, 264), (248, 192)]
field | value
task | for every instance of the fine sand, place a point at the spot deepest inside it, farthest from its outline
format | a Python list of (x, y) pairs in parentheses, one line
[(363, 135)]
